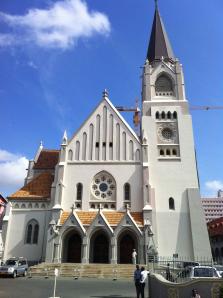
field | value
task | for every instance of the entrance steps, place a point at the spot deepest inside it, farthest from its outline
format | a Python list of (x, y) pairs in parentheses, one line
[(111, 271)]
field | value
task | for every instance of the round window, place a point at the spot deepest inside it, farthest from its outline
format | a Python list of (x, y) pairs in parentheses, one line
[(167, 133), (103, 187)]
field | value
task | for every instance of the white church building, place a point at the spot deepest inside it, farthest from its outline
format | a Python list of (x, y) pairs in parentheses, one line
[(108, 191)]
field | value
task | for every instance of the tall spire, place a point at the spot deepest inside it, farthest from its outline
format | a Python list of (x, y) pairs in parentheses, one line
[(159, 45)]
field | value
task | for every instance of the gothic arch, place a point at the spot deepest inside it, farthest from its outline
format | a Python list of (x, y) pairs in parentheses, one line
[(127, 240), (100, 246), (164, 84), (72, 246)]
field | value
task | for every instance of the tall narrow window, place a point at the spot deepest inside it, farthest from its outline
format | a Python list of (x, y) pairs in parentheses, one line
[(70, 154), (169, 115), (171, 204), (36, 234), (29, 234), (77, 151), (163, 115), (174, 115), (157, 115), (32, 232), (127, 192), (79, 191)]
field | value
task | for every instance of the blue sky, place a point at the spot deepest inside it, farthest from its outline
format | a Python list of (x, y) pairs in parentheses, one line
[(56, 57)]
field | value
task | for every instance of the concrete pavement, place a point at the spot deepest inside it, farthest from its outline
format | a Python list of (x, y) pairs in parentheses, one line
[(66, 288)]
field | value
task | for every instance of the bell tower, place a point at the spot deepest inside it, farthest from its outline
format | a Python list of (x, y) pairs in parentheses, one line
[(169, 160)]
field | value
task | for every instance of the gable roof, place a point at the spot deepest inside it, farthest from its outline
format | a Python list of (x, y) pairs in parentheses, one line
[(37, 189), (47, 159), (113, 218), (116, 112)]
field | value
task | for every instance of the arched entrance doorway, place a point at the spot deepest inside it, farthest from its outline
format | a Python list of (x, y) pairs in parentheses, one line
[(100, 248), (126, 244), (72, 248)]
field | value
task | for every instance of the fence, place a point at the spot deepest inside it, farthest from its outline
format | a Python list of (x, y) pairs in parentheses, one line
[(180, 269)]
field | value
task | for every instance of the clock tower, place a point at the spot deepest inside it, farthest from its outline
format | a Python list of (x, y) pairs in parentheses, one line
[(169, 162)]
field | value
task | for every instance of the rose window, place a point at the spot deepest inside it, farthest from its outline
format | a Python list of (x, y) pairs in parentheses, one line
[(103, 186)]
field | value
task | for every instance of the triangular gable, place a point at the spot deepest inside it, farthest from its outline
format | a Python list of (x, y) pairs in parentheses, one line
[(71, 220), (99, 222), (128, 221), (106, 136), (105, 101)]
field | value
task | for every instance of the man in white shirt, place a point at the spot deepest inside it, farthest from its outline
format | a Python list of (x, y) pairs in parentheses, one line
[(144, 274), (134, 254)]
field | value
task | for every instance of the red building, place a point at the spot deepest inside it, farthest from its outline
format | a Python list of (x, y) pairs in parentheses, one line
[(215, 230)]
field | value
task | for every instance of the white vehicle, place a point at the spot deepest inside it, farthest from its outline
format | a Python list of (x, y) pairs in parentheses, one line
[(194, 272), (219, 269)]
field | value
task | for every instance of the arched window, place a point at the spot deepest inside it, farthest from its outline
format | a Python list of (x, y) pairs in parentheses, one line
[(157, 115), (164, 84), (29, 234), (163, 115), (174, 152), (127, 192), (171, 204), (167, 152), (70, 154), (36, 234), (79, 191), (32, 232), (161, 152), (174, 115), (169, 115)]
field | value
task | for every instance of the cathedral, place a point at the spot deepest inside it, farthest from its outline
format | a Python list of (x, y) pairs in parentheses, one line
[(107, 191)]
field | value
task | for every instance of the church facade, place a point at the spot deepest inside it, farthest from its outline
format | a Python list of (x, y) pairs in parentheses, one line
[(108, 191)]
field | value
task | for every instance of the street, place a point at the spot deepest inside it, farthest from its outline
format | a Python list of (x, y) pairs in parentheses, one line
[(66, 288)]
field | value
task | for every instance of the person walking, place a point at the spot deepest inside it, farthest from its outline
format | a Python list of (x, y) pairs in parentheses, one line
[(143, 278), (134, 255), (137, 277), (168, 275)]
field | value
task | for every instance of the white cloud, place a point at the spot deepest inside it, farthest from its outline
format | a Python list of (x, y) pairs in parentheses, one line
[(12, 171), (213, 186), (61, 25)]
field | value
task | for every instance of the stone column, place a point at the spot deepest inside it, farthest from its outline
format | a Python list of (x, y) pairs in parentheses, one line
[(85, 255), (113, 250)]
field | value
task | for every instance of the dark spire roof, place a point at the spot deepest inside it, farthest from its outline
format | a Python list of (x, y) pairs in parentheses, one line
[(159, 45)]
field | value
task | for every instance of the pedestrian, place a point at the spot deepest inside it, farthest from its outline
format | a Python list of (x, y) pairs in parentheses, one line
[(168, 275), (137, 277), (134, 254), (195, 294), (144, 274)]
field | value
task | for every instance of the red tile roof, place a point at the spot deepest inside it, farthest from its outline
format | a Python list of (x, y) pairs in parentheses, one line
[(37, 189), (47, 159), (112, 217)]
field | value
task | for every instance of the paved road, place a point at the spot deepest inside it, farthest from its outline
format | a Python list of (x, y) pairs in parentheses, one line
[(66, 288)]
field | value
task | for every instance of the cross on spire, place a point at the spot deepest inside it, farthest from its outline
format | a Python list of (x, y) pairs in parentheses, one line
[(72, 208)]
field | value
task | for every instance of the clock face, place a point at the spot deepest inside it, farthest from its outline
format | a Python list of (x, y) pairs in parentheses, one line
[(167, 133)]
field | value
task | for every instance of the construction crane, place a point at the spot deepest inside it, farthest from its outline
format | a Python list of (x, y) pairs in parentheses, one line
[(137, 112), (136, 115), (206, 108)]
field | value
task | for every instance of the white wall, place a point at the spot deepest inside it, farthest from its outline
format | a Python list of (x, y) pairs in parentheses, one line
[(15, 242)]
